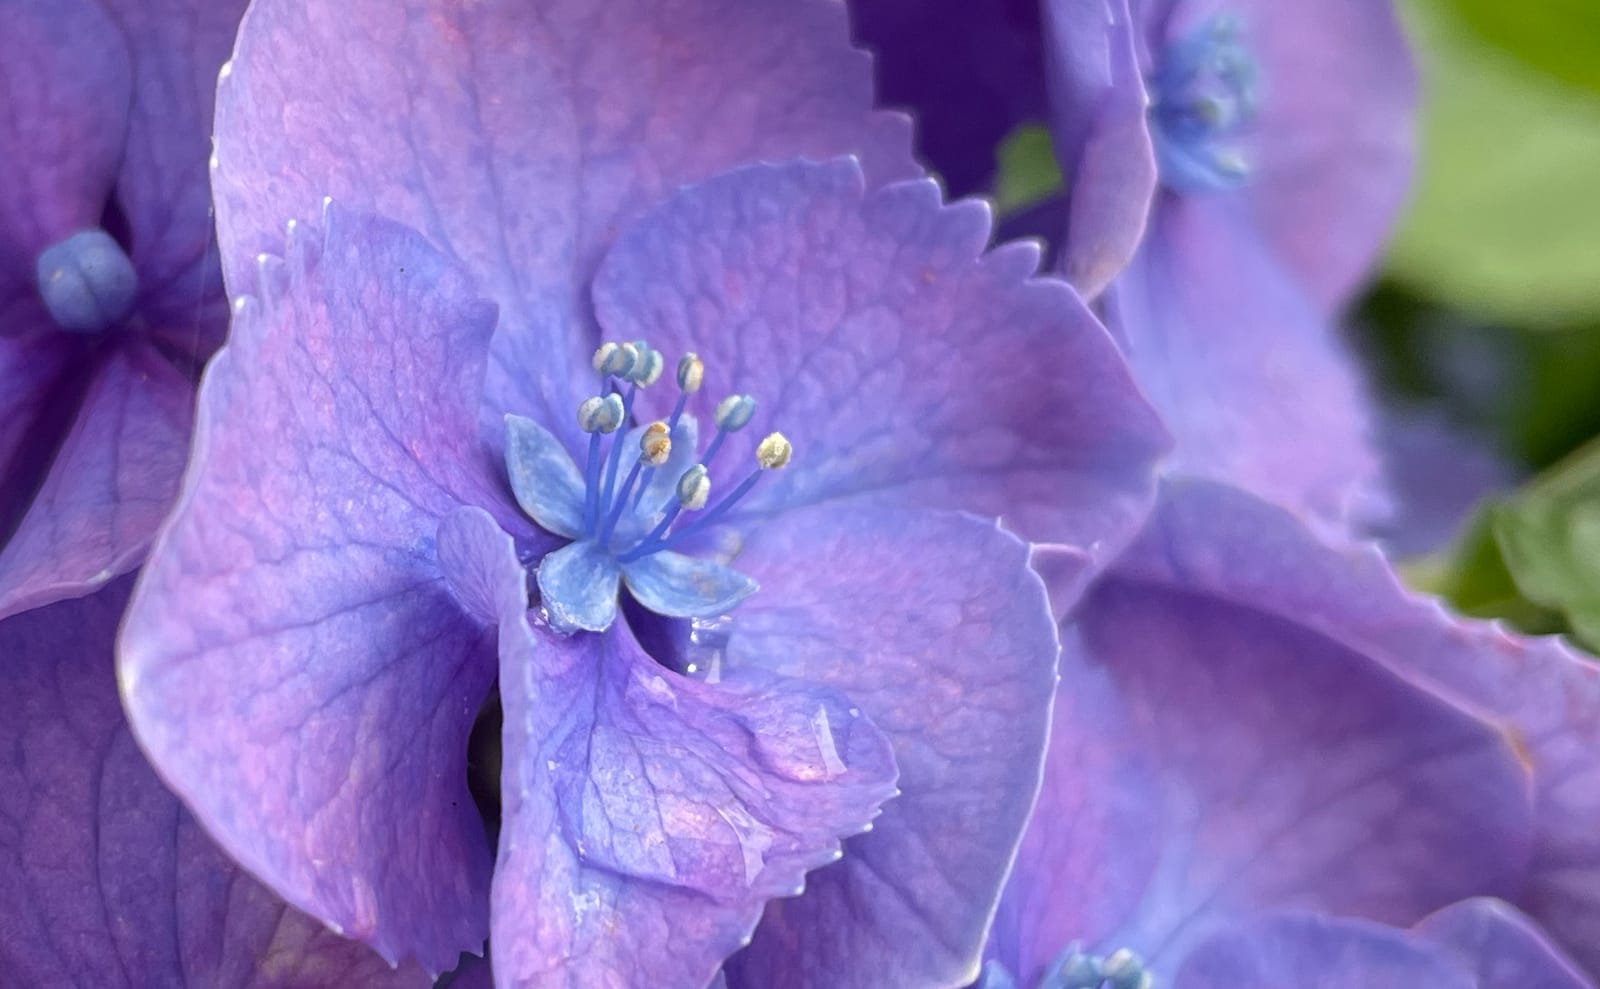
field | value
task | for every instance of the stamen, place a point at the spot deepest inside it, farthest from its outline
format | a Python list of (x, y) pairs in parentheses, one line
[(1075, 969), (733, 414), (654, 447), (777, 450), (690, 373), (596, 416)]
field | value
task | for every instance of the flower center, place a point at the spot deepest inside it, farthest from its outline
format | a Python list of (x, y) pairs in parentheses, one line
[(628, 526), (1074, 969), (86, 281), (1204, 99)]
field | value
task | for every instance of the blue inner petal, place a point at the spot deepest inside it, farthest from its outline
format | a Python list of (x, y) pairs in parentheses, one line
[(547, 483), (681, 586), (578, 587)]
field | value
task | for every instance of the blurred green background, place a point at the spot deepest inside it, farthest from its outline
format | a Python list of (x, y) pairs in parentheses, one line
[(1488, 311)]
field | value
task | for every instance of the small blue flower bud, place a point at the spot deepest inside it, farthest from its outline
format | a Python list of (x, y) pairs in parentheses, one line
[(86, 281), (734, 412)]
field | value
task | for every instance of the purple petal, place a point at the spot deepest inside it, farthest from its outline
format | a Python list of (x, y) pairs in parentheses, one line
[(1213, 756), (968, 72), (521, 137), (104, 879), (1542, 695), (1242, 368), (293, 661), (1334, 139), (41, 376), (1503, 948), (177, 48), (66, 79), (933, 624), (112, 480), (648, 817), (1099, 126), (1309, 952), (903, 362)]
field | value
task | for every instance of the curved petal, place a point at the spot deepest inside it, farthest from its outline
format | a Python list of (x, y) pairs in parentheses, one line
[(1333, 143), (110, 484), (1541, 694), (682, 586), (293, 660), (1099, 126), (1213, 757), (1437, 475), (904, 363), (104, 879), (968, 73), (65, 84), (546, 482), (648, 817), (933, 624), (1501, 947), (1310, 952), (1242, 368), (520, 137)]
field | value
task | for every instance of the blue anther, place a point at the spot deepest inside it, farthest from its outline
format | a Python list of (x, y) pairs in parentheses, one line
[(1204, 100), (86, 281)]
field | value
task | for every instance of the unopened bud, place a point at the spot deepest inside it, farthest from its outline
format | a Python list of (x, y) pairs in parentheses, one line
[(774, 451)]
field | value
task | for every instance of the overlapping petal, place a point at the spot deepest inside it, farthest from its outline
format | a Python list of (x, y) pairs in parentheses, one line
[(649, 816), (1501, 947), (1541, 694), (521, 137), (1246, 373), (1332, 148), (905, 364), (110, 483), (1215, 756), (1099, 125), (293, 661), (104, 879), (934, 626), (1312, 952)]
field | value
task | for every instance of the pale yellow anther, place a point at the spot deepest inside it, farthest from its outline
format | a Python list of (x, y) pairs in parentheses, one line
[(655, 445), (774, 451), (690, 373)]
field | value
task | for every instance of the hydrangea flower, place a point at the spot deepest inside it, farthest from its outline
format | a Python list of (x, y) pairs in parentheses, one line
[(1232, 168), (1252, 723), (387, 467), (104, 879), (109, 296)]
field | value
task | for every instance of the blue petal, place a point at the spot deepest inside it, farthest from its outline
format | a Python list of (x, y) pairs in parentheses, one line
[(548, 485), (578, 584), (684, 587)]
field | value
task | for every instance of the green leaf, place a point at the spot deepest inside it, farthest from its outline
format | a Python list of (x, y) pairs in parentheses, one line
[(1027, 172), (1561, 37), (1549, 535), (1507, 199)]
